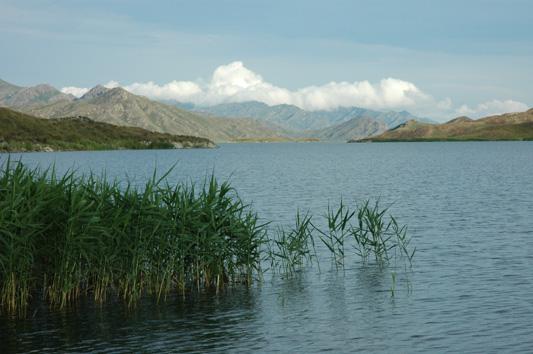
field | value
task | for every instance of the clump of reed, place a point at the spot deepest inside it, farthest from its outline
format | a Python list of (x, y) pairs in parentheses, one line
[(366, 230), (379, 235), (338, 228), (63, 237), (292, 247)]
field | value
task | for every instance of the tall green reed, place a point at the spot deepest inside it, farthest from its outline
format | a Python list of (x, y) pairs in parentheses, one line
[(66, 236), (367, 229), (62, 237), (292, 247)]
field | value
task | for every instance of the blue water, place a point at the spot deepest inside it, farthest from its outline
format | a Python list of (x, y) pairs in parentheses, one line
[(469, 210)]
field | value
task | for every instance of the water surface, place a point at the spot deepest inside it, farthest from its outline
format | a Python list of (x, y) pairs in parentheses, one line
[(469, 208)]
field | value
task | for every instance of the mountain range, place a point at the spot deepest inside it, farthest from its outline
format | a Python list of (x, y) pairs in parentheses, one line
[(225, 122), (120, 107), (337, 124), (509, 126)]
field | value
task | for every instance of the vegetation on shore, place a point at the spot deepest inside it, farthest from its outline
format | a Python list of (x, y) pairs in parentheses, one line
[(510, 126), (22, 132), (62, 237)]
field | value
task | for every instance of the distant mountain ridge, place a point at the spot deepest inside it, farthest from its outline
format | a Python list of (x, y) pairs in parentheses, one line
[(340, 124), (355, 128), (509, 126), (295, 118)]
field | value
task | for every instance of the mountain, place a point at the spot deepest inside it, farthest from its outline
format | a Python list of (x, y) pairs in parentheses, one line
[(19, 97), (96, 91), (7, 89), (509, 126), (297, 119), (120, 107), (355, 128), (22, 132)]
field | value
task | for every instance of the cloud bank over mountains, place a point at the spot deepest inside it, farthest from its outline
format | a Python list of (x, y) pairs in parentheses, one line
[(236, 83)]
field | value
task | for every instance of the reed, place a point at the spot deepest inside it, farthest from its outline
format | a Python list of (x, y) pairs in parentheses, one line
[(379, 235), (338, 229), (366, 228), (291, 248), (62, 237), (369, 230)]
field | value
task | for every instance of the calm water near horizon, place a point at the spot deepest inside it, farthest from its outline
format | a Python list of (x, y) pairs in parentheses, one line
[(469, 209)]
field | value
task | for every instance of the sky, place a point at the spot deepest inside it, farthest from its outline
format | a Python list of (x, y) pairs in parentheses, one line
[(437, 59)]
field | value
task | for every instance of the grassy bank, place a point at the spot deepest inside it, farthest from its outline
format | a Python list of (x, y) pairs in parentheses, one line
[(22, 132), (71, 236)]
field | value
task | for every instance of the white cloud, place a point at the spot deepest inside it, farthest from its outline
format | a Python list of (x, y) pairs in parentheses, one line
[(75, 91), (174, 90), (492, 108), (112, 84), (236, 83)]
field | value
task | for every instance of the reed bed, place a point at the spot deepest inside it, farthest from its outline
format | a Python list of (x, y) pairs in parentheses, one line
[(62, 237)]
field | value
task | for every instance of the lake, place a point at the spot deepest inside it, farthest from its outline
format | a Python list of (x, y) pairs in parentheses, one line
[(469, 211)]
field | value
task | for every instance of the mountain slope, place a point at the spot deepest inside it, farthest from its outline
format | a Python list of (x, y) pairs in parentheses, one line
[(510, 126), (7, 89), (17, 97), (355, 128), (120, 107), (19, 132)]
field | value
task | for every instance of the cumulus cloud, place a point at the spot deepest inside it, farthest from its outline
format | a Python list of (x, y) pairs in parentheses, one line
[(75, 91), (492, 108), (236, 83), (174, 90), (112, 84)]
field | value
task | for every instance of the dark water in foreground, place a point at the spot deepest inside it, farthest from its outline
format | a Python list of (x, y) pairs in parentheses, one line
[(469, 207)]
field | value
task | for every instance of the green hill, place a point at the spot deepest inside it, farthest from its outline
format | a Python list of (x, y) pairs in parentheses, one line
[(510, 126), (22, 132)]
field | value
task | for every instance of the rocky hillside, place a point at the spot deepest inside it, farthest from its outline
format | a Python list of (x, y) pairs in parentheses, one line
[(120, 107)]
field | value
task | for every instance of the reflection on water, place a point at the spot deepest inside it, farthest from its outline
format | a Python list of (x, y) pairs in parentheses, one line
[(468, 207)]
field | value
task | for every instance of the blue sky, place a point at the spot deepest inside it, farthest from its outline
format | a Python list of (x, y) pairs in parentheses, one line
[(473, 57)]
